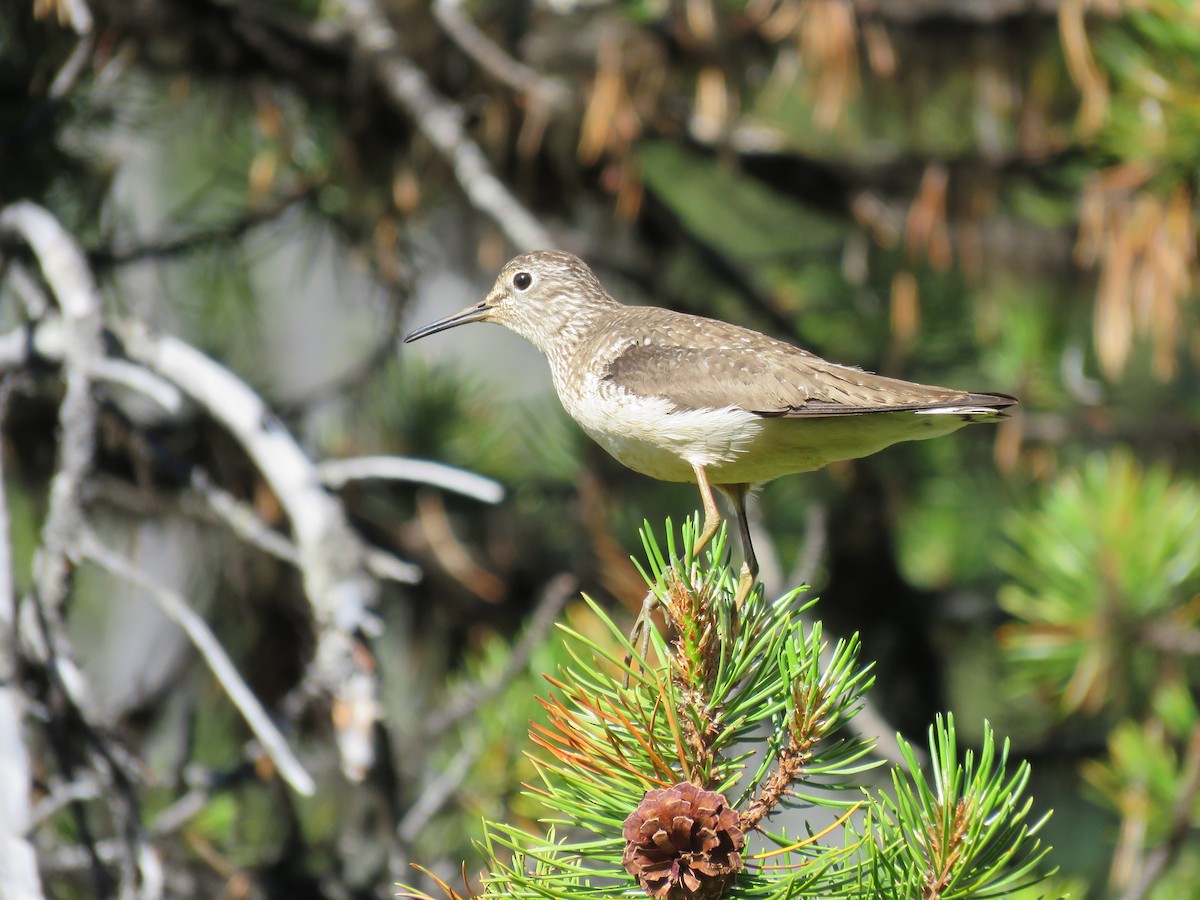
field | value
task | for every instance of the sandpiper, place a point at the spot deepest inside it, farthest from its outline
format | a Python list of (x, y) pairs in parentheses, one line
[(680, 397)]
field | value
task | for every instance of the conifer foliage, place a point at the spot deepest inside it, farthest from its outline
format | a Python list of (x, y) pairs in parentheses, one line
[(671, 775)]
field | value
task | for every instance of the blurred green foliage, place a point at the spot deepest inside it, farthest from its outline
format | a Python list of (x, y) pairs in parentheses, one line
[(1106, 571), (1064, 223)]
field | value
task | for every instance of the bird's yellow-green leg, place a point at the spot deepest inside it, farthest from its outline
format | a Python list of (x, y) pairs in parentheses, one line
[(737, 494), (712, 516), (639, 637)]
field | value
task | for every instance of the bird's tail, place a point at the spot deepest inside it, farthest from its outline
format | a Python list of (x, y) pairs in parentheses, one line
[(975, 407)]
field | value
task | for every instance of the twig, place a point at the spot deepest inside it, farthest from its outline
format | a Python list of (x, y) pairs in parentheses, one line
[(549, 92), (384, 565), (108, 256), (337, 473), (18, 860), (27, 289), (64, 269), (65, 80), (816, 536), (1179, 825), (136, 378), (554, 597), (441, 122), (331, 558), (868, 723), (455, 559), (86, 787), (213, 654), (438, 791), (14, 349), (241, 519)]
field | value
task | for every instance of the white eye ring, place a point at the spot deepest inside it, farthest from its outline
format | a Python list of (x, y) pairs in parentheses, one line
[(522, 281)]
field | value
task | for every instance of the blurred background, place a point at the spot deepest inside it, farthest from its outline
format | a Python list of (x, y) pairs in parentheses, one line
[(994, 195)]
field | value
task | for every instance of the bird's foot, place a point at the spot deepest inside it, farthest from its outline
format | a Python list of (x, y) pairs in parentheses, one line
[(746, 580), (639, 637), (705, 538)]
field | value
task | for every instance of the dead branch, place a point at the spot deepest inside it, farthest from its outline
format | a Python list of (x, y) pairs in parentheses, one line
[(18, 860), (541, 90), (337, 473), (274, 744), (441, 122), (331, 557)]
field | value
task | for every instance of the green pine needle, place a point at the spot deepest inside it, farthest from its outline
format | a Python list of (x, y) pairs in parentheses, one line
[(751, 703)]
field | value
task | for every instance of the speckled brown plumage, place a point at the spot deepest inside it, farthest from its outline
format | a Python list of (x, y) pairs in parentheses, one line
[(696, 362), (681, 398)]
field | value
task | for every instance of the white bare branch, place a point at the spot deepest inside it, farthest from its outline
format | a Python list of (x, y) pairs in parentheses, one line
[(240, 517), (18, 860), (336, 567), (339, 472), (65, 270), (274, 744), (331, 558)]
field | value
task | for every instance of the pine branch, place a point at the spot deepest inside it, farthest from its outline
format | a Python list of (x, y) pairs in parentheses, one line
[(669, 770)]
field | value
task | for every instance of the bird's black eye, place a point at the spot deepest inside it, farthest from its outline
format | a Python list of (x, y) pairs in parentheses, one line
[(522, 281)]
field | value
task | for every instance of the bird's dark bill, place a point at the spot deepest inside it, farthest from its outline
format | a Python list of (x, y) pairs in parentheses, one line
[(473, 313)]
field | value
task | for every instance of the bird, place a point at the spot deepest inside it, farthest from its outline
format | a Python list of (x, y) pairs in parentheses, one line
[(684, 398)]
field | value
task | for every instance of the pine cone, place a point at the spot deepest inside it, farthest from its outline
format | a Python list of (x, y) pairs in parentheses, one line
[(683, 843)]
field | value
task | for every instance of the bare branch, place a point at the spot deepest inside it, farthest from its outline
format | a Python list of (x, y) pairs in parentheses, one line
[(438, 791), (554, 597), (64, 269), (119, 372), (331, 558), (18, 861), (46, 339), (103, 257), (540, 90), (85, 787), (384, 565), (1180, 824), (8, 599), (245, 523), (27, 289), (65, 272), (175, 607), (337, 473), (442, 124), (64, 81)]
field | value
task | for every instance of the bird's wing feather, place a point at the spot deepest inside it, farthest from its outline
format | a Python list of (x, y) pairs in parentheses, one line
[(775, 380)]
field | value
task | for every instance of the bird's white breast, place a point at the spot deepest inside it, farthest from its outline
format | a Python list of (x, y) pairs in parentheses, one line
[(650, 435)]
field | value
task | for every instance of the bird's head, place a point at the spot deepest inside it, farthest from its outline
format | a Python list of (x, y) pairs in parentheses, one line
[(548, 297)]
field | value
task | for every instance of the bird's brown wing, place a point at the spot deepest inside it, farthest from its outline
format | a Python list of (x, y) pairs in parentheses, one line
[(774, 379)]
